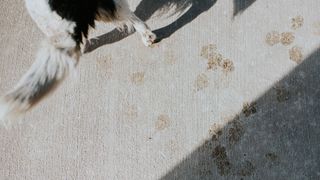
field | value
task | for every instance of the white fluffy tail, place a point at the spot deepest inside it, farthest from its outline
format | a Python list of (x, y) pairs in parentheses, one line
[(52, 65)]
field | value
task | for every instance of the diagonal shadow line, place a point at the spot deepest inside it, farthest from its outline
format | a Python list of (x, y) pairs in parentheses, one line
[(241, 5), (145, 10), (196, 9), (276, 138)]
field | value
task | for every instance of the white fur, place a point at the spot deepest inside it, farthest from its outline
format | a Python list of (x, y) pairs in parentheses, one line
[(49, 22), (51, 63), (5, 112), (59, 54), (54, 27), (125, 17)]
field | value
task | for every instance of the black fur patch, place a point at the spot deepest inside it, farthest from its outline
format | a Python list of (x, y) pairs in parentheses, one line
[(82, 12)]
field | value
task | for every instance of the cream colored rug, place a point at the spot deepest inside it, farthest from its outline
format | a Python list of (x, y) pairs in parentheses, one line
[(231, 92)]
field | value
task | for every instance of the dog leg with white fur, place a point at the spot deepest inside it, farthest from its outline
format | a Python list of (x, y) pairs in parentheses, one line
[(124, 16), (147, 36)]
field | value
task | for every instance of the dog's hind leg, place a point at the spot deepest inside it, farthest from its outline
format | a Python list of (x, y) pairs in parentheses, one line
[(147, 36), (124, 16)]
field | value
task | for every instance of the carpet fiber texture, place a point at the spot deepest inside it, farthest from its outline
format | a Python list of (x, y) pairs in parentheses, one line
[(230, 92)]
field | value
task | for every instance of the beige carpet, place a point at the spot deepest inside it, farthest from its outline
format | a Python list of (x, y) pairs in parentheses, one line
[(231, 92)]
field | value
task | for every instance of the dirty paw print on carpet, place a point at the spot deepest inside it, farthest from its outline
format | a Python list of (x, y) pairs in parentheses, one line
[(215, 59), (287, 38)]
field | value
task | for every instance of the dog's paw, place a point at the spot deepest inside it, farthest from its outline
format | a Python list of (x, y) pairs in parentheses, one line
[(148, 38)]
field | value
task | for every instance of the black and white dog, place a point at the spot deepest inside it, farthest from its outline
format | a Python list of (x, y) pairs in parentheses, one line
[(65, 24)]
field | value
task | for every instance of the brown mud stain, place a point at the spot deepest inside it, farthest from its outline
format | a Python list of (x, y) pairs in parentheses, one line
[(214, 61), (249, 109), (202, 82), (282, 94), (221, 160), (271, 157), (287, 38), (105, 62), (273, 38), (295, 54), (246, 169), (105, 65), (207, 146), (215, 131), (208, 51), (297, 22), (131, 111), (227, 66), (170, 59), (235, 132), (162, 122), (138, 78)]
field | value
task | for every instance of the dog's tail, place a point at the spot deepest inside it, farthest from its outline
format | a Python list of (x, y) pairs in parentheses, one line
[(51, 66)]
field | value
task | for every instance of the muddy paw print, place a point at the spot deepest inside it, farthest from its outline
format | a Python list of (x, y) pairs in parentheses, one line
[(287, 38), (297, 22), (215, 59), (227, 65), (295, 54), (235, 132), (202, 82), (215, 132), (282, 94), (138, 78), (273, 38), (163, 122), (249, 109), (272, 159), (221, 160), (170, 58), (208, 51), (131, 111)]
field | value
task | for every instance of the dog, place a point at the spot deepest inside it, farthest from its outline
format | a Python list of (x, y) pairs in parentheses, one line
[(66, 25)]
